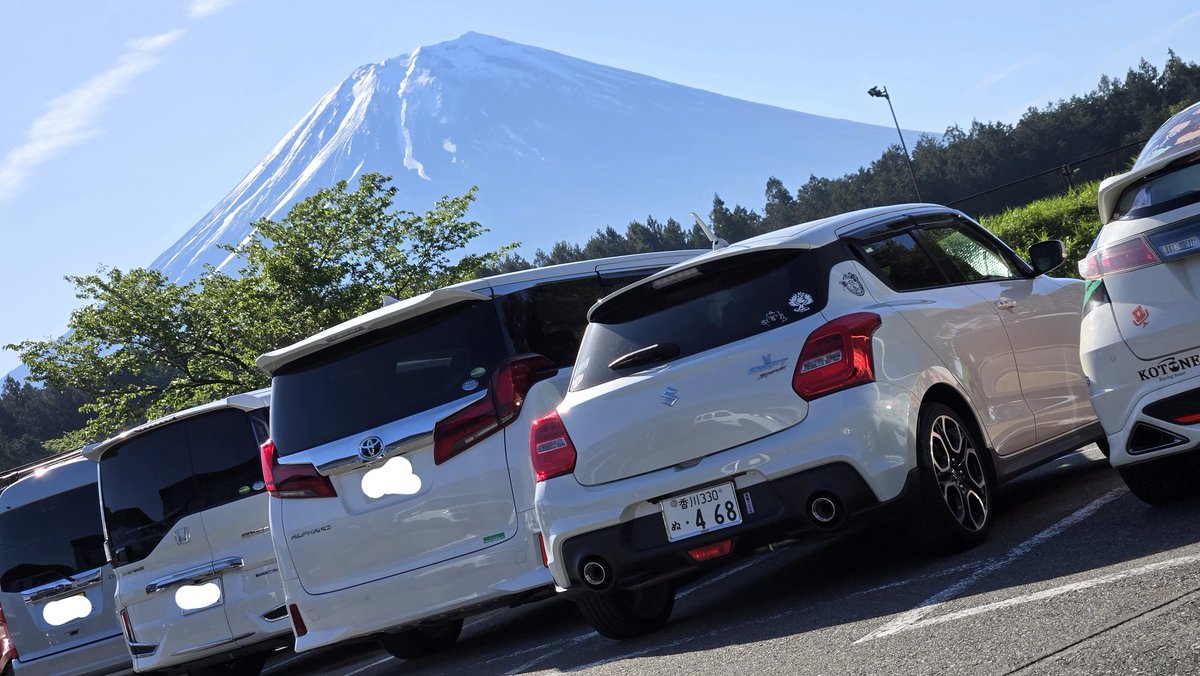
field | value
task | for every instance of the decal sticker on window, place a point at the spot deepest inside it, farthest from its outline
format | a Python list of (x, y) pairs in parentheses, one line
[(800, 301), (774, 317), (1141, 316), (470, 384), (478, 372), (853, 284)]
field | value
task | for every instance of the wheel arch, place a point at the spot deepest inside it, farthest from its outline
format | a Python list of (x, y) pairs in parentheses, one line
[(947, 395)]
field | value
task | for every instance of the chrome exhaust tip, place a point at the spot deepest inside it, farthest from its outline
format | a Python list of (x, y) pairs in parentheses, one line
[(595, 574), (825, 510)]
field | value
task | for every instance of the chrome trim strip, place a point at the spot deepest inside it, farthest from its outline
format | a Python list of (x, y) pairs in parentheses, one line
[(212, 644), (195, 575), (65, 588)]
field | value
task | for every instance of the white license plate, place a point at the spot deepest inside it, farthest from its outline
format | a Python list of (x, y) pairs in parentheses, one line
[(703, 511)]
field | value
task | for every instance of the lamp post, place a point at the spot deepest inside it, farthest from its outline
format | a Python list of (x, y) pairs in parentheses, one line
[(879, 92)]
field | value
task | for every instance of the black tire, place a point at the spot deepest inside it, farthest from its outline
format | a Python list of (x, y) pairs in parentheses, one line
[(412, 644), (1102, 444), (1163, 480), (250, 665), (628, 614), (952, 509)]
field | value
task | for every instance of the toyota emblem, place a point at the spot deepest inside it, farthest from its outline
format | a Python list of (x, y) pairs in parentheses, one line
[(370, 448)]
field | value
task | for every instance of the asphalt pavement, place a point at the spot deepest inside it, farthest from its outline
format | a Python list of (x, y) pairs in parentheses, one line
[(1077, 577)]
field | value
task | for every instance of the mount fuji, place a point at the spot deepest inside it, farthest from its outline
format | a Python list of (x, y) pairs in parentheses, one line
[(559, 147)]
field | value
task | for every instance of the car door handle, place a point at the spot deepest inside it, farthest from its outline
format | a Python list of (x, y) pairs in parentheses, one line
[(1005, 303)]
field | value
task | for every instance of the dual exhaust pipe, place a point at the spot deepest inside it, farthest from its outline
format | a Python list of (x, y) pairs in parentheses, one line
[(824, 509)]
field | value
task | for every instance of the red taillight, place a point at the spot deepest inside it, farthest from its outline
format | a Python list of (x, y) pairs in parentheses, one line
[(1128, 255), (550, 447), (5, 639), (297, 621), (127, 626), (710, 552), (293, 481), (510, 383), (836, 356)]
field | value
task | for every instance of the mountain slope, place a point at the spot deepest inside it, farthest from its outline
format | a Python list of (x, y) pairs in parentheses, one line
[(558, 146)]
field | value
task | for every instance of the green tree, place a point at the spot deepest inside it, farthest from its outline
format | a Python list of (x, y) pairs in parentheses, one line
[(144, 346)]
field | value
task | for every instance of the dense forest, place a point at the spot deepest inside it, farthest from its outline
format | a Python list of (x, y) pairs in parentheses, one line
[(982, 169)]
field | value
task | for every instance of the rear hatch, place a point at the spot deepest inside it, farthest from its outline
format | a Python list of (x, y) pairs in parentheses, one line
[(1150, 257), (692, 363), (55, 588), (362, 414), (168, 494)]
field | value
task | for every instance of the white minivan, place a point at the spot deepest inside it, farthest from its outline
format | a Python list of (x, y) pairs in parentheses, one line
[(402, 491), (185, 521), (56, 590)]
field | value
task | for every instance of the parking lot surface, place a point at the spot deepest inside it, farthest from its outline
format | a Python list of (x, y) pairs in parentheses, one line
[(1077, 577)]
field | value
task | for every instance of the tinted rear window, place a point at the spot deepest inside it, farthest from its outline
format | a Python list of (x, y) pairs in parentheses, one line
[(155, 479), (51, 539), (699, 308), (386, 375)]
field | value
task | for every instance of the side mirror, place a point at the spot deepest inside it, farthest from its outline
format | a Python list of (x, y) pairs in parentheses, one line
[(1047, 255)]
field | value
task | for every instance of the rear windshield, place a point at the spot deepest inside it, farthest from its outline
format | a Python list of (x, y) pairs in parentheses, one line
[(698, 308), (51, 539), (1171, 188), (155, 479), (386, 375)]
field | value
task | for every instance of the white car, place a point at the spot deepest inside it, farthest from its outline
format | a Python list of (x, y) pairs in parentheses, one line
[(402, 496), (56, 590), (185, 516), (792, 383), (1140, 336)]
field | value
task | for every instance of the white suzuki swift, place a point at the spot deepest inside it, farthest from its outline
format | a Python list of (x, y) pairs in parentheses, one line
[(1140, 336), (402, 496), (795, 382)]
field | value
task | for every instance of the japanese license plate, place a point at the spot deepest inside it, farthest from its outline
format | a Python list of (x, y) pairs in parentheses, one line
[(703, 511)]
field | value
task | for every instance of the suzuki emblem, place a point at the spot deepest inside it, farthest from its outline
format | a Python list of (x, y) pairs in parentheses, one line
[(370, 448), (670, 396)]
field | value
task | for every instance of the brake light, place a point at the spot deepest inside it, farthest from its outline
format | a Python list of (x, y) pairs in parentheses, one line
[(297, 621), (836, 356), (6, 638), (550, 447), (502, 404), (293, 481), (1128, 255)]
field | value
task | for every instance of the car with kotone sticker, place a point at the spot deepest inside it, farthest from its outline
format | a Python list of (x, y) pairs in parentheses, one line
[(184, 508), (899, 361), (398, 466), (1140, 335), (56, 589)]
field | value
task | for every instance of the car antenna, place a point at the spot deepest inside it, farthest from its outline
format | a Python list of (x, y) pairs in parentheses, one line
[(717, 242)]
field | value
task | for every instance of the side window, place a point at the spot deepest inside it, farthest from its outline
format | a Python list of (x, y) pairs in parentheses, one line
[(974, 258), (549, 318), (904, 263), (225, 456)]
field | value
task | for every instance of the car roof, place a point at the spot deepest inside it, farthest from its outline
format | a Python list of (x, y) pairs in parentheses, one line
[(808, 235), (61, 474), (1163, 148), (246, 401), (476, 289)]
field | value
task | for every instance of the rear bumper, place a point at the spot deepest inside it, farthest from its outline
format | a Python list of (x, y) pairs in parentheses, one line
[(1148, 433), (859, 440), (638, 552), (506, 574), (106, 656)]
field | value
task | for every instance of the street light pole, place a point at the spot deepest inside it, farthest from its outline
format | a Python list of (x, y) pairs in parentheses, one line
[(878, 92)]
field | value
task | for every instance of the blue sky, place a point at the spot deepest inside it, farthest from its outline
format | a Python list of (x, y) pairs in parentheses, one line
[(122, 123)]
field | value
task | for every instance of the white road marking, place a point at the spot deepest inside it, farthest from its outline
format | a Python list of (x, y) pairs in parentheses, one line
[(546, 656), (572, 640), (962, 567), (373, 664), (915, 615), (712, 580), (1057, 591)]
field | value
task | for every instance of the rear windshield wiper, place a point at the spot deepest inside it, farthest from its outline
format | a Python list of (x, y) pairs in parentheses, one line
[(646, 355)]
